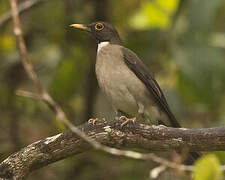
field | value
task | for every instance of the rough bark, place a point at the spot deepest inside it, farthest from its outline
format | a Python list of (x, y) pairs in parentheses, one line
[(155, 138)]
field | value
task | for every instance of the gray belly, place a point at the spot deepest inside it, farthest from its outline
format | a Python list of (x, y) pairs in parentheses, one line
[(121, 86)]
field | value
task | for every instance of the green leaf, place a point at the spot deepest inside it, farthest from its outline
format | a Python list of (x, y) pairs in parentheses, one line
[(154, 14), (208, 168)]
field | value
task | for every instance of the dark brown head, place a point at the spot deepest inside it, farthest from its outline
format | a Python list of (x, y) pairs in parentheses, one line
[(102, 31)]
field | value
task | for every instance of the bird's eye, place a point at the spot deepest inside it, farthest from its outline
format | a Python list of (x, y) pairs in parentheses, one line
[(99, 26)]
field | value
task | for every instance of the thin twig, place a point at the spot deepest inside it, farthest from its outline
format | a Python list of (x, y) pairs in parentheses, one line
[(22, 7), (28, 94), (149, 156), (43, 94), (154, 173)]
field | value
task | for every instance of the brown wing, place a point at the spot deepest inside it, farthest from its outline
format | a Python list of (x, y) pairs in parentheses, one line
[(142, 72)]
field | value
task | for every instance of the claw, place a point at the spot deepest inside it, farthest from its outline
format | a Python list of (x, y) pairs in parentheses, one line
[(92, 121), (127, 120)]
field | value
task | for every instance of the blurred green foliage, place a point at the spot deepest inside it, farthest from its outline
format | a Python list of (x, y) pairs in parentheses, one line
[(182, 42), (154, 14), (208, 168)]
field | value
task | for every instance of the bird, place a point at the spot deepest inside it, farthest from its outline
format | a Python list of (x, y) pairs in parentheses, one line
[(126, 81)]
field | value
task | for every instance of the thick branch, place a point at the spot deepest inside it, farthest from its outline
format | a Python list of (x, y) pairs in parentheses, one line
[(156, 138)]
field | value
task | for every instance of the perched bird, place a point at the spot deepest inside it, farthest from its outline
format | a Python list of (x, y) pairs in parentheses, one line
[(126, 81)]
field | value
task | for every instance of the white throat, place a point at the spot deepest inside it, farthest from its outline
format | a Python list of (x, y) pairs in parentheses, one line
[(101, 45)]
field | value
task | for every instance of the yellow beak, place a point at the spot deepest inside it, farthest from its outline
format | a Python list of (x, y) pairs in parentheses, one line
[(81, 26)]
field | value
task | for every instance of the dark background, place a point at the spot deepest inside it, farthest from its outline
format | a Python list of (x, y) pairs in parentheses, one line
[(182, 42)]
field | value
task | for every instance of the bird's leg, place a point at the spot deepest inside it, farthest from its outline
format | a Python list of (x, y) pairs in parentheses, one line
[(133, 120), (120, 115), (92, 121), (127, 120)]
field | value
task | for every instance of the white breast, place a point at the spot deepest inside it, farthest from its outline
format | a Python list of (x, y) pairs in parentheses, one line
[(101, 45)]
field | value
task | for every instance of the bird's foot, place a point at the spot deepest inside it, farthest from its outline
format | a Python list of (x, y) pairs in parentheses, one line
[(127, 120), (93, 121)]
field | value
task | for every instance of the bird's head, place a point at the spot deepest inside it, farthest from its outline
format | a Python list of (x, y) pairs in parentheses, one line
[(102, 31)]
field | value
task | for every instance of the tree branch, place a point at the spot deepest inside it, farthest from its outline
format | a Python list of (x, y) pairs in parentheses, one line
[(155, 138)]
